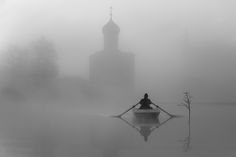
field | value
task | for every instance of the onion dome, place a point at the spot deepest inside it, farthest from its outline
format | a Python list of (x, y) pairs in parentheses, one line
[(111, 27)]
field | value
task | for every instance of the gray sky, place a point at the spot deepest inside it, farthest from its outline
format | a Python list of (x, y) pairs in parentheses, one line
[(153, 30)]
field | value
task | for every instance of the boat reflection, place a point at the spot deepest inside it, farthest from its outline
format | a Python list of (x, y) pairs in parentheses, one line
[(146, 126)]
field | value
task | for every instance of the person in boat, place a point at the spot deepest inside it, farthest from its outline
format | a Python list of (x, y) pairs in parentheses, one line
[(145, 102)]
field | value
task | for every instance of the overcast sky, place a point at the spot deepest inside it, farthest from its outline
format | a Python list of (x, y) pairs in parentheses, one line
[(154, 30)]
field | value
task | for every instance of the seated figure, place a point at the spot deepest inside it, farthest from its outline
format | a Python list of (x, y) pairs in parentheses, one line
[(145, 102)]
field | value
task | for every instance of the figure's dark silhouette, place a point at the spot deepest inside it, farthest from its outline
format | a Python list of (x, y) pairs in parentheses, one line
[(145, 102)]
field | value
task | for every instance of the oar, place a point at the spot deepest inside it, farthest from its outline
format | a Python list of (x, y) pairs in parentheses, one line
[(162, 123), (130, 124), (126, 111), (163, 110)]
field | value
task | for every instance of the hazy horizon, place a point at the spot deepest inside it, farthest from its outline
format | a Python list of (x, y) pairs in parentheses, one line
[(165, 37), (67, 89)]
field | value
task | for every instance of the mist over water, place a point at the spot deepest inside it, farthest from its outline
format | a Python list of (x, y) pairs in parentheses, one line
[(177, 45), (66, 67)]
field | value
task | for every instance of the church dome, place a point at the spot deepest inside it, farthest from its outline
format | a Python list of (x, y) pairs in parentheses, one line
[(111, 27)]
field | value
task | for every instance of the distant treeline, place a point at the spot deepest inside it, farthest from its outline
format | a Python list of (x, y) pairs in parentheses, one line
[(28, 69)]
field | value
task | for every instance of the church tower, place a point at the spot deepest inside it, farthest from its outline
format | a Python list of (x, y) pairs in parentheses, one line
[(111, 35), (111, 69)]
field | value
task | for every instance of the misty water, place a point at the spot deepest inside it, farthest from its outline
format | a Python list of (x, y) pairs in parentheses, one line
[(66, 67), (70, 131)]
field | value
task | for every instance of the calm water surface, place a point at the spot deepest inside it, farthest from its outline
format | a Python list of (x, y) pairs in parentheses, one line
[(71, 132)]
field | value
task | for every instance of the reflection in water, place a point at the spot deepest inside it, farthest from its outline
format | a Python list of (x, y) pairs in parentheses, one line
[(145, 128), (186, 141), (67, 133), (187, 103)]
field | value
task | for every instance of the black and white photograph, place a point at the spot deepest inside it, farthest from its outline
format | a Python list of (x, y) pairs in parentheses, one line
[(117, 78)]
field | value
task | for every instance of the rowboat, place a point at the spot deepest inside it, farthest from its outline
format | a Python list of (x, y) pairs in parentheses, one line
[(146, 116), (146, 113)]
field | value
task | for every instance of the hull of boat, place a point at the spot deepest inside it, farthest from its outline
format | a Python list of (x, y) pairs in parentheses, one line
[(147, 116)]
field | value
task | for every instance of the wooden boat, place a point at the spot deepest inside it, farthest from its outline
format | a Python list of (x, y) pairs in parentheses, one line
[(146, 116), (147, 113)]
